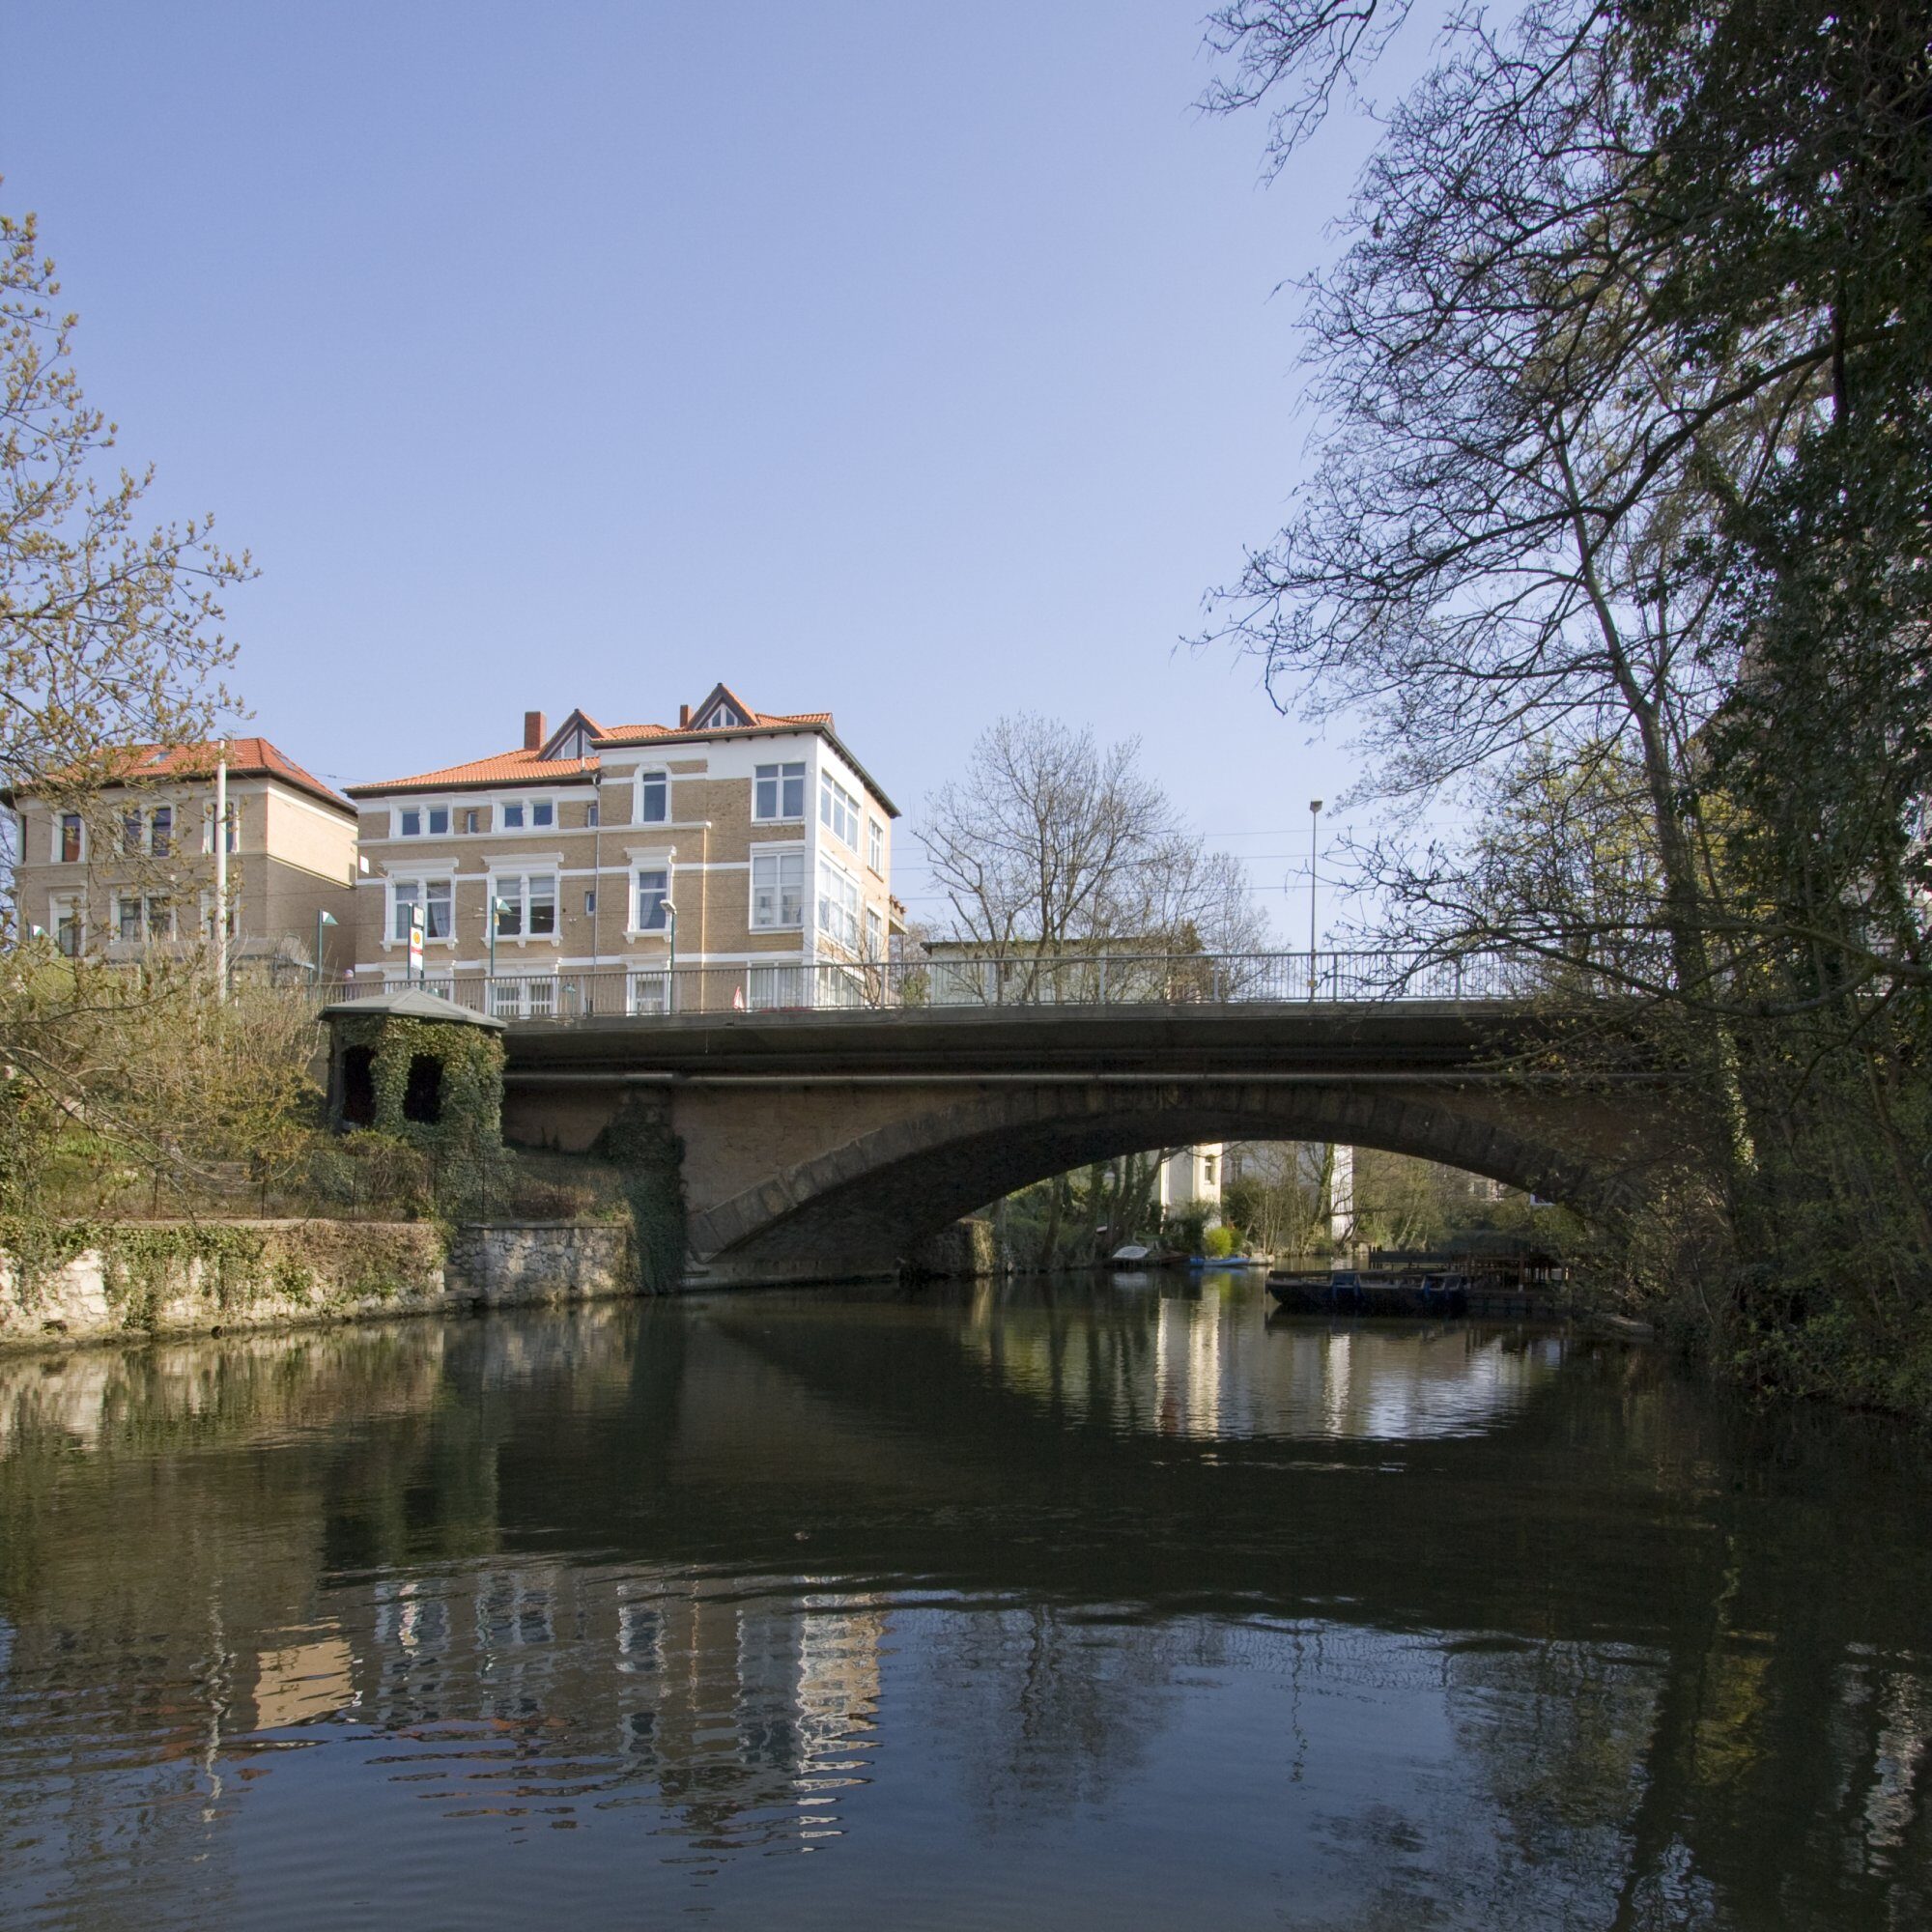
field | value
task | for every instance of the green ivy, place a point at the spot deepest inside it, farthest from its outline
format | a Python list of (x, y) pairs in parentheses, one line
[(639, 1141), (308, 1267), (471, 1059)]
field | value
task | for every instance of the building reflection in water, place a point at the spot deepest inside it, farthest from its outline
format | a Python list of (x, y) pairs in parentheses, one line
[(1047, 1568)]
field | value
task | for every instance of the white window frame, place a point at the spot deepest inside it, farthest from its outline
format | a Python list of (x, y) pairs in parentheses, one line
[(875, 846), (419, 885), (651, 776), (525, 996), (839, 812), (778, 781), (539, 872), (847, 911), (773, 858), (208, 825), (63, 907), (656, 868)]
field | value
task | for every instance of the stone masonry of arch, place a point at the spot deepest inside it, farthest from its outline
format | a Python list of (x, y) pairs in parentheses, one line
[(863, 1205), (827, 1146)]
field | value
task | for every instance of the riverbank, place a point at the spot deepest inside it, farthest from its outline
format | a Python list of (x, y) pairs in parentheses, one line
[(93, 1283)]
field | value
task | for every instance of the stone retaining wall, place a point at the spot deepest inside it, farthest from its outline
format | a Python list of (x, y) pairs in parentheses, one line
[(152, 1279)]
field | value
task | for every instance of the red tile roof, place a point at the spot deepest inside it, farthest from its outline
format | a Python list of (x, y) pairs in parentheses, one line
[(761, 720), (247, 758), (518, 767), (528, 767)]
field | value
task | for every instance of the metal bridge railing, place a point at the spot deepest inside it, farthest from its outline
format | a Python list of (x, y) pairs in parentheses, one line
[(952, 983)]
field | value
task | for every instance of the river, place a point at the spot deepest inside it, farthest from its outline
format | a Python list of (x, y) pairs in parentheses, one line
[(1065, 1604)]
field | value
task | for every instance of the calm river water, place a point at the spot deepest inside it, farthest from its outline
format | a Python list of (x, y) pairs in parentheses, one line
[(1065, 1606)]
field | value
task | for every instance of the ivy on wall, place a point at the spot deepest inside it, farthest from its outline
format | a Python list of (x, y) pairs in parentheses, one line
[(470, 1116), (639, 1142), (189, 1274)]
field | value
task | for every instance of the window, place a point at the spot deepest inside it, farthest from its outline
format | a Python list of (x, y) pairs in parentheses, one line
[(837, 904), (472, 819), (653, 798), (513, 817), (161, 830), (589, 906), (542, 813), (778, 888), (838, 811), (160, 919), (780, 791), (128, 919), (207, 829), (875, 846), (131, 833), (528, 908), (875, 934), (591, 813), (69, 839), (653, 896), (433, 896), (438, 816), (409, 824), (540, 897)]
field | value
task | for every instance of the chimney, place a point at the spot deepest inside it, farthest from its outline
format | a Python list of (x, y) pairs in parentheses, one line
[(533, 730), (684, 718)]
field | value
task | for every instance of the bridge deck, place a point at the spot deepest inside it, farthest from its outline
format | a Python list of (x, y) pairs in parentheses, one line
[(1356, 1039)]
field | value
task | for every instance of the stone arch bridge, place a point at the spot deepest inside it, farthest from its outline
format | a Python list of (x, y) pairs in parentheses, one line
[(828, 1144)]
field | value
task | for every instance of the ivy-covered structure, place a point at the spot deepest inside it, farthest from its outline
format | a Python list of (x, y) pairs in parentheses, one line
[(419, 1067)]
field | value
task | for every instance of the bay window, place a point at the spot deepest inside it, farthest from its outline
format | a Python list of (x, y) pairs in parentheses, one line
[(838, 811), (837, 904), (778, 888)]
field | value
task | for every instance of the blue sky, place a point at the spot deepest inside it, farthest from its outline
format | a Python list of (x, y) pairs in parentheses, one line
[(914, 362)]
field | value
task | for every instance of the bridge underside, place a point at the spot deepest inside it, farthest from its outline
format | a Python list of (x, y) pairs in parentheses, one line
[(825, 1149), (863, 1205)]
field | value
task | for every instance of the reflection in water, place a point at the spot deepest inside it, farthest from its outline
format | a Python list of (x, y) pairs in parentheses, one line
[(1057, 1605)]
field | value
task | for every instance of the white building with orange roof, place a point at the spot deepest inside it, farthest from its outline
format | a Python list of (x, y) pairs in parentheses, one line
[(749, 848), (132, 863)]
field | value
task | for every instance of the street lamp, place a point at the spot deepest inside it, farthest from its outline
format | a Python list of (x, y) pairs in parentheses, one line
[(1314, 819), (321, 919), (497, 908)]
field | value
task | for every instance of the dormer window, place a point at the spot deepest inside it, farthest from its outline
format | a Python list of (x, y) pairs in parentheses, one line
[(573, 744)]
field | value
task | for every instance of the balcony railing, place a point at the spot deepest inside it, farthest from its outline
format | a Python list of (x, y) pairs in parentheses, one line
[(950, 984)]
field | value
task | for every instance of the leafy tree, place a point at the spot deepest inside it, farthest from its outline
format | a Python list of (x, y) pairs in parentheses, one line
[(109, 636)]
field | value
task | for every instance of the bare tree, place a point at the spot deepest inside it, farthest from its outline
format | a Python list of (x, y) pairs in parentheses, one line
[(1049, 849)]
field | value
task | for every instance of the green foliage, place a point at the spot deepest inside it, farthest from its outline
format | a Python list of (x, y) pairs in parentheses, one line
[(1218, 1241), (639, 1142)]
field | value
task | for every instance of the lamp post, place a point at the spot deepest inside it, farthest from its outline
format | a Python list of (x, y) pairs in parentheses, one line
[(497, 908), (670, 974), (1314, 820), (321, 919)]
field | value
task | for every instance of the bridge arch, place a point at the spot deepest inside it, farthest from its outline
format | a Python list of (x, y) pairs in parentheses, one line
[(863, 1205)]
